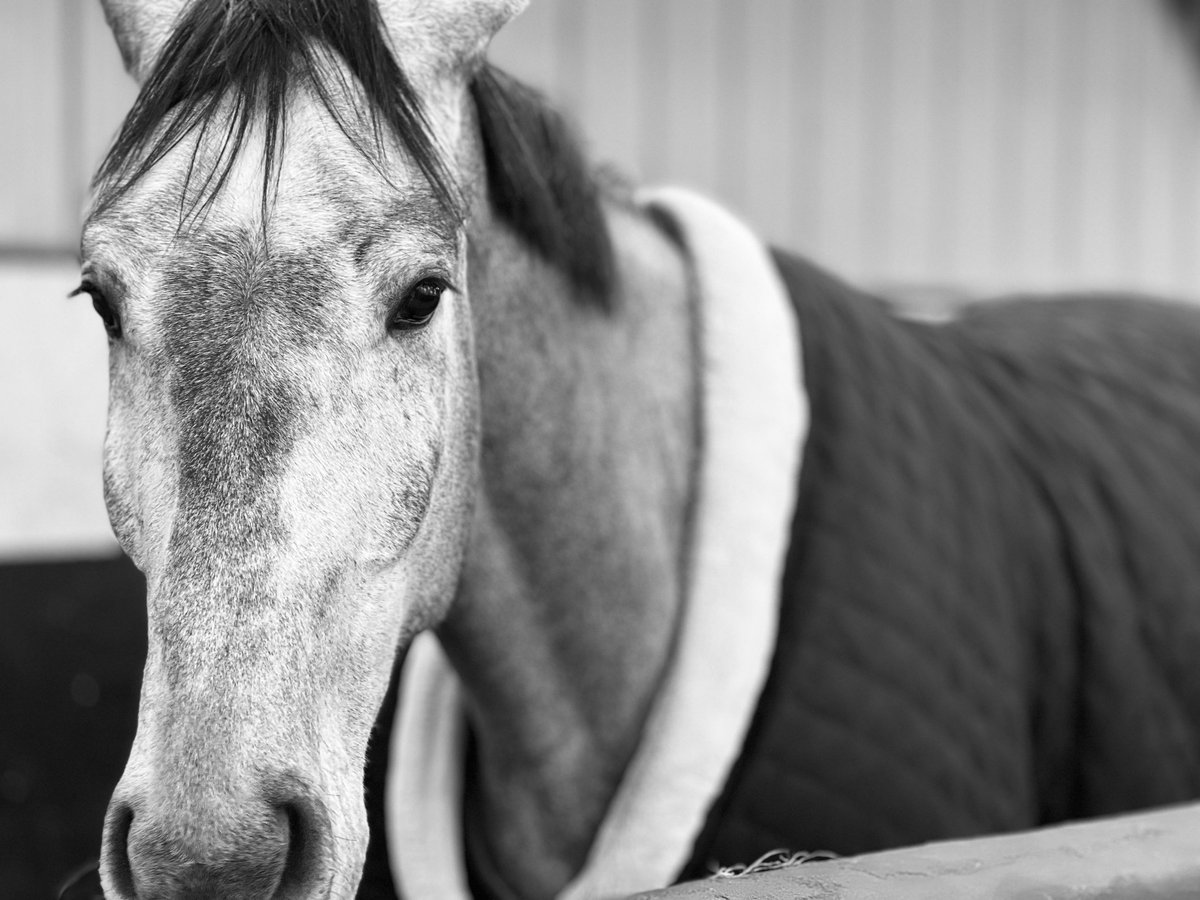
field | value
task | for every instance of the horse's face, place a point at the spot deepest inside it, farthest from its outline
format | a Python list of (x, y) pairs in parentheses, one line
[(290, 459)]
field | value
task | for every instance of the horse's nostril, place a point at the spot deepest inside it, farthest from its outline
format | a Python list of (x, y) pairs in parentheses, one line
[(304, 848), (114, 860), (275, 847)]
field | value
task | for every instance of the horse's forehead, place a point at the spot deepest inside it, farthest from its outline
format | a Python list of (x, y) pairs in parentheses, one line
[(236, 325), (312, 258), (324, 195), (230, 287)]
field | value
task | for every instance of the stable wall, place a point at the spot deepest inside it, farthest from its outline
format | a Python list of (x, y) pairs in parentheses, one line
[(986, 145), (931, 147)]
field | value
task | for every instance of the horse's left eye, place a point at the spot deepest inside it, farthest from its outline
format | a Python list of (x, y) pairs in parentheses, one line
[(417, 307), (104, 309)]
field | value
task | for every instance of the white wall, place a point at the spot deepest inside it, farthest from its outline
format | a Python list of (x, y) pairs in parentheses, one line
[(62, 94), (55, 385)]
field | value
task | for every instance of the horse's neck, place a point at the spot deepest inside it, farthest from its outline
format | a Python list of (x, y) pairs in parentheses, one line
[(572, 586)]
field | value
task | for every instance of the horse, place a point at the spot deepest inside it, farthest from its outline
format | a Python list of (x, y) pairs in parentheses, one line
[(636, 544)]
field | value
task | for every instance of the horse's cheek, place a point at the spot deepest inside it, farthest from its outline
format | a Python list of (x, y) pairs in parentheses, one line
[(426, 468), (139, 476)]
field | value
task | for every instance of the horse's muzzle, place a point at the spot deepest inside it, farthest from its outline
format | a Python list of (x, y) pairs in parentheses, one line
[(275, 848)]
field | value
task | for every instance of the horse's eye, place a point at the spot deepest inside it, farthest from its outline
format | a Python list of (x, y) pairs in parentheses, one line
[(108, 315), (417, 307)]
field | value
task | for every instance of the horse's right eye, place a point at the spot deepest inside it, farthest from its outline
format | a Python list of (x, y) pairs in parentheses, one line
[(108, 315), (417, 307)]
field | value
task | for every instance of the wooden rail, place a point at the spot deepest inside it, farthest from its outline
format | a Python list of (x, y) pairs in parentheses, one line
[(1146, 856)]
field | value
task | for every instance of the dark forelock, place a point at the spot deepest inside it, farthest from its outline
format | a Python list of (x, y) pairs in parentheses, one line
[(226, 64), (252, 54)]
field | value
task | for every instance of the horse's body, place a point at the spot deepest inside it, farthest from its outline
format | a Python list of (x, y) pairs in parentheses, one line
[(410, 371)]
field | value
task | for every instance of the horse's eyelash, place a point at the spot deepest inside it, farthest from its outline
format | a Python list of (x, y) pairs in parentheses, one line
[(445, 282)]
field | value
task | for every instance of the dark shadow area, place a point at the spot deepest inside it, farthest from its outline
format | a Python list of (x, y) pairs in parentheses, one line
[(1187, 14), (72, 646)]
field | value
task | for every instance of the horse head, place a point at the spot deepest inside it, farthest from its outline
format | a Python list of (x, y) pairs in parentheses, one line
[(276, 249)]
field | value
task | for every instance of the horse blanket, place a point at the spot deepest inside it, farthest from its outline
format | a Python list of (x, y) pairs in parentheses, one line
[(990, 572), (991, 612)]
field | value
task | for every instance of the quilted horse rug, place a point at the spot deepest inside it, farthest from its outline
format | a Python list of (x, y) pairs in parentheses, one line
[(991, 611)]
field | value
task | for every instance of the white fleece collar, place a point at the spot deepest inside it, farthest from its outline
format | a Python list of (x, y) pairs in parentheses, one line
[(755, 418)]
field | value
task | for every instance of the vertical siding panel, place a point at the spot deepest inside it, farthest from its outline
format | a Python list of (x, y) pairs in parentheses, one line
[(945, 147), (875, 185), (1118, 36), (71, 114), (1072, 23), (1007, 214), (691, 93), (903, 93), (985, 143), (35, 200), (572, 44), (106, 91), (977, 218), (610, 87), (842, 122), (1128, 33), (527, 47), (653, 125), (737, 67), (1034, 178), (806, 127), (1099, 152), (770, 155), (1160, 121)]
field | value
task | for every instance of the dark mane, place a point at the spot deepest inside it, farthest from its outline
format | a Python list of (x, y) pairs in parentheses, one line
[(539, 181), (226, 64)]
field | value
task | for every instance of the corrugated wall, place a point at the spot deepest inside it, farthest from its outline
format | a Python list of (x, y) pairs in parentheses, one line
[(978, 145), (62, 94), (982, 144)]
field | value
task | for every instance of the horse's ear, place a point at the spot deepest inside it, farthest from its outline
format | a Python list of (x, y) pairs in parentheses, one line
[(441, 37), (141, 28)]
